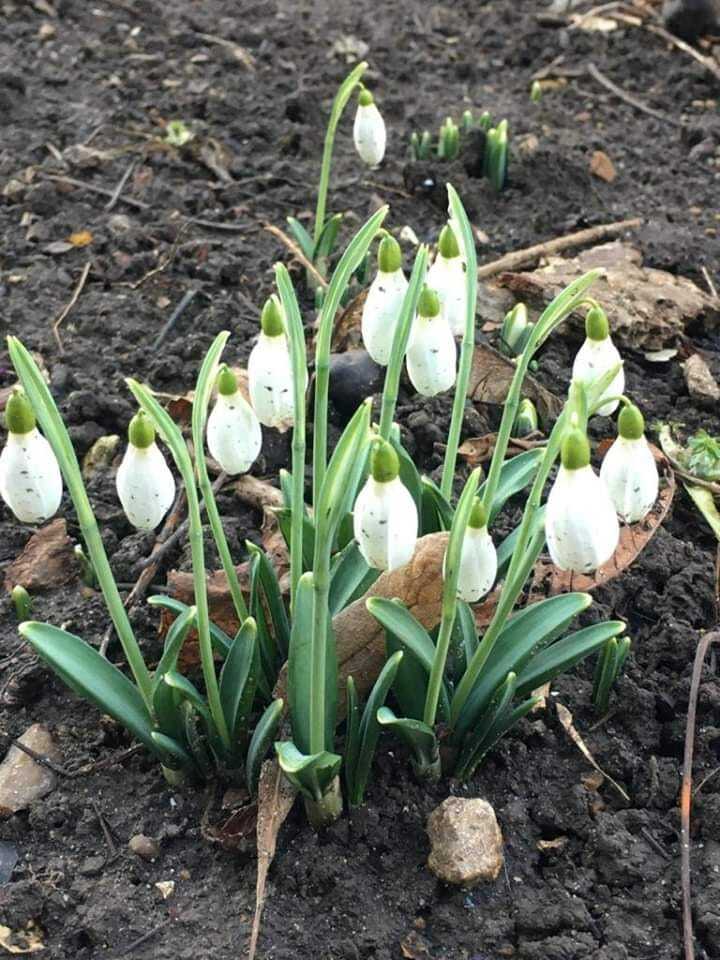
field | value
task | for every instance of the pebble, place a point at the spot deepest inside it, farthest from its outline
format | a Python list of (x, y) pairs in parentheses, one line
[(144, 847), (354, 375), (466, 842), (22, 780)]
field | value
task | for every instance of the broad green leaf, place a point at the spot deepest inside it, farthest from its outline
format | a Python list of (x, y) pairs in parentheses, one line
[(220, 640), (188, 691), (238, 680), (174, 641), (172, 754), (311, 774), (300, 663), (411, 679), (515, 475), (350, 578), (487, 726), (326, 241), (273, 598), (284, 519), (262, 738), (196, 737), (436, 514), (352, 735), (301, 236), (269, 660), (417, 736), (166, 706)]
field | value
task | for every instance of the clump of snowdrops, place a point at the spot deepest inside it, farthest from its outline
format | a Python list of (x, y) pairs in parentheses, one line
[(448, 692), (448, 144)]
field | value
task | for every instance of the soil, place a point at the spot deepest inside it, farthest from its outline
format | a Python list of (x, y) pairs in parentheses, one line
[(107, 75)]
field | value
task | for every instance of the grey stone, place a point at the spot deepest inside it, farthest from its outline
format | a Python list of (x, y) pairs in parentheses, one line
[(466, 841)]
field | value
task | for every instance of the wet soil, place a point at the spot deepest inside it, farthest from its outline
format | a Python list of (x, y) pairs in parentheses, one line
[(84, 94)]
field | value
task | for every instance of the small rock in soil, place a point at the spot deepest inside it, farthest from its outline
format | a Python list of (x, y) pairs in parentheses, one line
[(8, 859), (601, 166), (144, 847), (700, 382), (467, 844), (22, 779), (353, 376)]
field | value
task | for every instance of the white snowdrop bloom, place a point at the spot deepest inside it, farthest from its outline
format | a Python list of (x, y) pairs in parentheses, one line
[(145, 485), (478, 558), (234, 437), (385, 518), (597, 356), (270, 380), (431, 354), (30, 480), (581, 526), (383, 302), (629, 470), (447, 277), (369, 133)]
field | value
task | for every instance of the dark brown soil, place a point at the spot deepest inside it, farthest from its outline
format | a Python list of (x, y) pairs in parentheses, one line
[(109, 76)]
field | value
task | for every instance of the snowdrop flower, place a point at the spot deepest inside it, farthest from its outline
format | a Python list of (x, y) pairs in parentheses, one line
[(369, 131), (385, 518), (447, 277), (234, 437), (478, 558), (597, 356), (30, 480), (145, 485), (270, 380), (383, 302), (629, 471), (581, 526), (431, 353), (526, 421)]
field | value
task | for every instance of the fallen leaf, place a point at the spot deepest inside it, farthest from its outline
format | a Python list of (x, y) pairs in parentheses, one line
[(602, 167), (550, 846), (566, 721), (47, 560), (477, 450), (648, 309), (490, 378), (705, 502), (216, 157), (276, 797), (700, 382), (346, 334), (28, 940), (80, 239)]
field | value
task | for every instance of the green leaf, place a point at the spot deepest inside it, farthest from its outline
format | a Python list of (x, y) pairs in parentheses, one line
[(564, 654), (326, 241), (408, 471), (174, 641), (238, 679), (284, 519), (89, 674), (197, 741), (311, 774), (337, 494), (286, 488), (220, 640), (273, 598), (166, 706), (466, 631), (411, 679), (351, 577), (300, 663), (437, 514), (302, 237), (370, 728), (269, 661), (262, 738), (416, 735), (485, 732), (506, 548), (534, 626), (188, 691), (172, 754), (515, 475), (352, 735)]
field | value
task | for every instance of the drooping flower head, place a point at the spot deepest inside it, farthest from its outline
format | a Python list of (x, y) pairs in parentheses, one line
[(383, 302), (145, 485), (629, 470), (599, 355), (385, 518), (233, 431), (270, 380), (478, 557), (431, 354), (447, 277), (369, 133), (30, 479)]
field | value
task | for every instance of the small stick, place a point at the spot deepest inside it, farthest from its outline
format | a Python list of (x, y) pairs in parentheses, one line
[(130, 201), (120, 187), (106, 830), (187, 299), (144, 938), (523, 258), (296, 251), (165, 261), (708, 281), (43, 760), (230, 227), (686, 793), (629, 98), (71, 303)]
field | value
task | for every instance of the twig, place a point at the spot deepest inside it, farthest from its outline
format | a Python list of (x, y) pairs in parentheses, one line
[(165, 261), (144, 938), (240, 53), (523, 258), (629, 98), (709, 282), (91, 188), (106, 831), (187, 299), (43, 760), (296, 251), (120, 187), (686, 792), (707, 779), (230, 227), (71, 303)]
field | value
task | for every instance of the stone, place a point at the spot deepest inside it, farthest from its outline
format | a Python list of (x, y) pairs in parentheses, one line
[(22, 779), (466, 841), (354, 375), (602, 167), (144, 847)]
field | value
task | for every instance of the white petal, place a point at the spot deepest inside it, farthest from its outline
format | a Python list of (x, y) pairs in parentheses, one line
[(233, 433), (594, 358), (630, 474), (270, 381), (30, 480), (380, 313), (385, 523), (581, 526), (478, 565), (145, 486), (431, 356), (369, 134), (447, 278)]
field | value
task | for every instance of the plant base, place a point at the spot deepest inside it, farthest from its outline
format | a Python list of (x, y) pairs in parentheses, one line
[(321, 813), (429, 772)]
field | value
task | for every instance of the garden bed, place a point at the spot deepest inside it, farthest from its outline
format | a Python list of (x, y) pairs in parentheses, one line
[(587, 873)]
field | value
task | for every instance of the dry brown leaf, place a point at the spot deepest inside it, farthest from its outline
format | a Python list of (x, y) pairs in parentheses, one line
[(477, 450), (648, 308), (490, 378), (602, 167), (276, 796), (700, 382), (216, 157), (28, 940), (222, 609), (47, 560), (346, 334), (566, 720)]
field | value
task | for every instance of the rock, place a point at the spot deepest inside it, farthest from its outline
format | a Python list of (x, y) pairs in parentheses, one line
[(92, 866), (165, 888), (144, 847), (466, 841), (700, 382), (22, 779), (353, 376), (47, 560), (602, 167)]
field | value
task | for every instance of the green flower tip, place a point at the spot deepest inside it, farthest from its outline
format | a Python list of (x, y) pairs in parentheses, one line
[(596, 324), (271, 319), (141, 432), (19, 416), (535, 91), (389, 255), (575, 451), (527, 418), (226, 382), (365, 98), (478, 515), (429, 303), (384, 463), (631, 423), (447, 244)]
